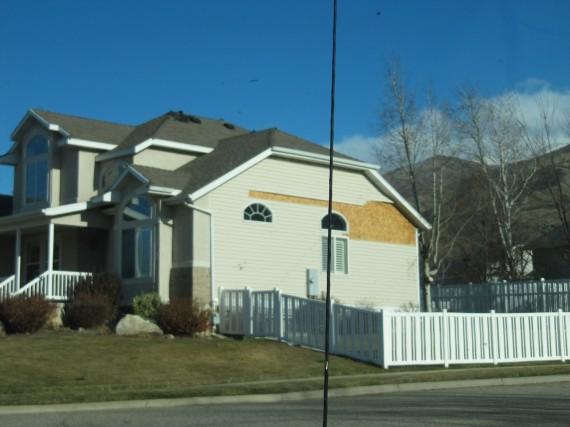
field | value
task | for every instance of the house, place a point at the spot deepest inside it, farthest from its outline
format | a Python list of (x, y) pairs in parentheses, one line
[(185, 205)]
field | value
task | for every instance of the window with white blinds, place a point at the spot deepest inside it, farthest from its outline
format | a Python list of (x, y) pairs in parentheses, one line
[(339, 255)]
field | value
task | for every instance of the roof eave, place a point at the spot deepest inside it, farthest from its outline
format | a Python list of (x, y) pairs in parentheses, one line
[(229, 175), (152, 142), (10, 159), (50, 126), (321, 158), (413, 215), (83, 143)]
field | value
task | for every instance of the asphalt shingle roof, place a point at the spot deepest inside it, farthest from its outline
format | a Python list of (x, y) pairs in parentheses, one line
[(88, 129), (184, 128), (233, 152), (232, 145)]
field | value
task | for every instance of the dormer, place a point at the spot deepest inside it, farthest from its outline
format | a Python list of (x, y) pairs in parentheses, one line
[(54, 158)]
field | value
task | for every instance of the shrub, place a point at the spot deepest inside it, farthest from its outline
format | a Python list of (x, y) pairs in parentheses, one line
[(183, 317), (89, 311), (95, 301), (147, 304), (107, 284), (25, 314)]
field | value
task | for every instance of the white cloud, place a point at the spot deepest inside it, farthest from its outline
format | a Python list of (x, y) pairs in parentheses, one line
[(358, 146), (527, 94), (534, 95)]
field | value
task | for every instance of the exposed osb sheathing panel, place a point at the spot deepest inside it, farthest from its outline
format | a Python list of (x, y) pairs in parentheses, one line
[(375, 221)]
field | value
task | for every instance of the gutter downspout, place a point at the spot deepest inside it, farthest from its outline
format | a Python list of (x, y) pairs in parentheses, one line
[(213, 298)]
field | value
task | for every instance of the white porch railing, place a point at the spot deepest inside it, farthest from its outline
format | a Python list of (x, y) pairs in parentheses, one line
[(53, 285), (7, 286), (390, 338)]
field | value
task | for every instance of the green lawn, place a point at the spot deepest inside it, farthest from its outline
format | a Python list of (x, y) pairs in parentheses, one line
[(64, 367)]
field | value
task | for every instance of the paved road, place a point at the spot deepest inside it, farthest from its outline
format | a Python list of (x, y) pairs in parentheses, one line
[(526, 405)]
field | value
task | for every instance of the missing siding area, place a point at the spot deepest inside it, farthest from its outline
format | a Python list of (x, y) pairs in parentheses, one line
[(374, 221)]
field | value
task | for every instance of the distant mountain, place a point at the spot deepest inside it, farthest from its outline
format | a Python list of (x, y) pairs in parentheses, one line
[(456, 172), (539, 227)]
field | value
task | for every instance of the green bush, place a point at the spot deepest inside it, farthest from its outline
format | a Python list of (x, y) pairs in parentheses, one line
[(147, 304), (89, 311), (23, 314), (183, 317), (95, 301)]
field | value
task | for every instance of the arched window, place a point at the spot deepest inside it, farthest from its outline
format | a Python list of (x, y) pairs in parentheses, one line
[(339, 245), (36, 164), (337, 222), (257, 212), (137, 238)]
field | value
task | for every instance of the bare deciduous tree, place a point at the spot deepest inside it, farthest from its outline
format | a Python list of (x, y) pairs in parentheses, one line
[(544, 139), (490, 128), (410, 139)]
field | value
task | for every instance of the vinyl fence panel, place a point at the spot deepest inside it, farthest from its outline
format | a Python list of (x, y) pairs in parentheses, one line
[(389, 338), (505, 297)]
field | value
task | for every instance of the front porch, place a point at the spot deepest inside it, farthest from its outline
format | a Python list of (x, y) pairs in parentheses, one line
[(53, 285)]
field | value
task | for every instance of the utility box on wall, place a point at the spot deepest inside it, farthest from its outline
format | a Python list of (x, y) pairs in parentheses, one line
[(312, 282)]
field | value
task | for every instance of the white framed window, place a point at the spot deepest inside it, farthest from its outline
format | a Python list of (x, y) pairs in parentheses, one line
[(339, 254), (257, 212), (36, 170), (338, 223), (137, 238), (339, 244)]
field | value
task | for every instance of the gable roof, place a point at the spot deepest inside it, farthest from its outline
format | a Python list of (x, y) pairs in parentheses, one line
[(182, 128), (231, 154), (227, 151), (78, 127)]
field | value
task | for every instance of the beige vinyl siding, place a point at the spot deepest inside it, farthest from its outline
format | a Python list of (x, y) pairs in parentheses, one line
[(86, 178), (380, 275), (311, 181), (162, 159), (277, 255)]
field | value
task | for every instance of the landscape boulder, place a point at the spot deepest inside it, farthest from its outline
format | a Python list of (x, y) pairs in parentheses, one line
[(136, 325)]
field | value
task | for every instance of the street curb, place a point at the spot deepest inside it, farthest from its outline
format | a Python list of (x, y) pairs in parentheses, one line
[(284, 397)]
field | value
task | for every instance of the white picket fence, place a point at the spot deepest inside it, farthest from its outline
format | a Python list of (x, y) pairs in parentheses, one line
[(503, 297), (389, 338)]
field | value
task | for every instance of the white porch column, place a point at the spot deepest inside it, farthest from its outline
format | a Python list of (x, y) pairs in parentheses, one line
[(50, 247), (51, 229), (18, 258)]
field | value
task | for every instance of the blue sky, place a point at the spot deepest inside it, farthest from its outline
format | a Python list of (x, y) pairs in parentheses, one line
[(265, 63)]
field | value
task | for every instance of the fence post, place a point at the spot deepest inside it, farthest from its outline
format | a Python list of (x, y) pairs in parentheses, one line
[(333, 334), (446, 344), (221, 309), (386, 339), (247, 312), (561, 343), (494, 337), (277, 314)]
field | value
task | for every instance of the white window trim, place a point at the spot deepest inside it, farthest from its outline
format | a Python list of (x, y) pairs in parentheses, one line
[(138, 225), (35, 159), (334, 239), (258, 222)]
